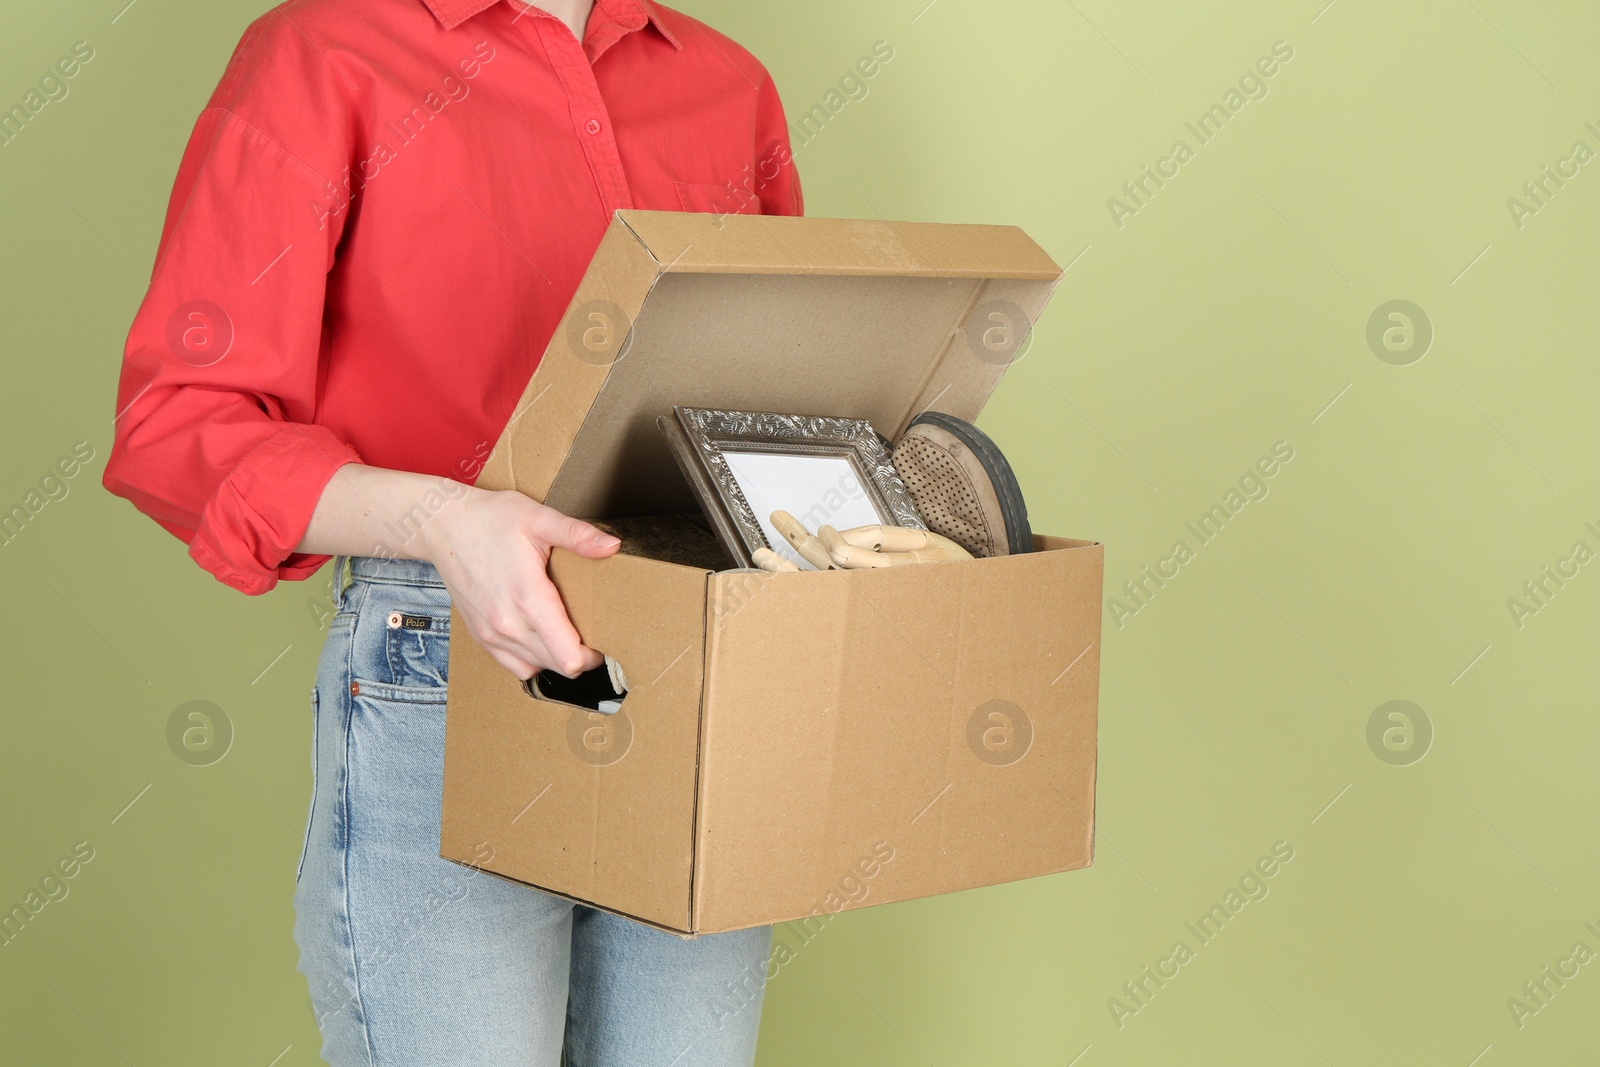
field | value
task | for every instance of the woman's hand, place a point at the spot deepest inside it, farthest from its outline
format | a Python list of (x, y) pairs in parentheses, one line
[(493, 551), (491, 548)]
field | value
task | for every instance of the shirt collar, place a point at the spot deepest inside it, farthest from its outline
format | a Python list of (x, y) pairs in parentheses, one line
[(630, 14)]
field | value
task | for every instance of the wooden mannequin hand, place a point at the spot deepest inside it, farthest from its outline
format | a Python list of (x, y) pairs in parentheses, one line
[(858, 547)]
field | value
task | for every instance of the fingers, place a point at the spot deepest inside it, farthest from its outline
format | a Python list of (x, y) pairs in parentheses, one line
[(852, 557), (811, 550), (559, 531), (529, 630), (947, 548), (769, 560), (544, 659), (527, 664), (886, 538), (864, 546), (516, 665), (924, 555), (493, 556), (545, 616), (927, 546), (522, 650), (830, 540), (544, 620), (590, 660)]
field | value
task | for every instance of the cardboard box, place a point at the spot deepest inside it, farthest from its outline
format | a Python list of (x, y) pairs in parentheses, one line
[(793, 744)]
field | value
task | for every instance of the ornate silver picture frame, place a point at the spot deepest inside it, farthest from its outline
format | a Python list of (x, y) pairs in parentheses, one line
[(745, 464)]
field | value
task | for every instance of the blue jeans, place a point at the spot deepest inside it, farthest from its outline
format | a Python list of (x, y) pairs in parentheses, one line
[(415, 961)]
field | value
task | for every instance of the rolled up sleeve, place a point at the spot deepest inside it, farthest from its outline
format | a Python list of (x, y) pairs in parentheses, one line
[(216, 435)]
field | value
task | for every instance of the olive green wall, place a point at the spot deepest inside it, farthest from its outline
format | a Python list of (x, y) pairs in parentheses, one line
[(1443, 851)]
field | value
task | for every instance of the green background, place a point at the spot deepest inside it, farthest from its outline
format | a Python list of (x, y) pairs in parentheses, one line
[(1229, 313)]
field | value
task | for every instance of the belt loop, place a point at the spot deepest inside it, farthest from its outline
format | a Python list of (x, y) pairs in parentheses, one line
[(342, 579)]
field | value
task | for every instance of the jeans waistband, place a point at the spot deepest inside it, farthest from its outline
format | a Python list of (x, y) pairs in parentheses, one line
[(393, 571)]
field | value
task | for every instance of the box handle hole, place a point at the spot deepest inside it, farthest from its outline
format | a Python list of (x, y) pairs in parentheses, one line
[(590, 691)]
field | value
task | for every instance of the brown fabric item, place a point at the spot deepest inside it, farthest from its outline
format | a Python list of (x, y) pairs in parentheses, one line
[(670, 538), (962, 485)]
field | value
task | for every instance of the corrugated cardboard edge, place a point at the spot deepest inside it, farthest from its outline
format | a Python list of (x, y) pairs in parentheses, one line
[(766, 244), (682, 935), (707, 651), (715, 584)]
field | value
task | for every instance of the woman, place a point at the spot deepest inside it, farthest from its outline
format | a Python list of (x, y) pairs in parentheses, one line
[(377, 223)]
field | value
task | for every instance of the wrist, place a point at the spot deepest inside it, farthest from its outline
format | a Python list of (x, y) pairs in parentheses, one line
[(435, 536)]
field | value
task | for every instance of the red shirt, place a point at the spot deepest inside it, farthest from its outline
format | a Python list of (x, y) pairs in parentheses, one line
[(378, 221)]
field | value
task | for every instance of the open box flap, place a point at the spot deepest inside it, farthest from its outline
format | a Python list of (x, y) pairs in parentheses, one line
[(845, 317)]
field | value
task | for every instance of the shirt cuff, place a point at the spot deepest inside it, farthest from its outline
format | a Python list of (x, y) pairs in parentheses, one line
[(249, 530)]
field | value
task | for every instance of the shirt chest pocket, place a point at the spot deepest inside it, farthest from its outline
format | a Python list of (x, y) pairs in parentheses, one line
[(726, 199)]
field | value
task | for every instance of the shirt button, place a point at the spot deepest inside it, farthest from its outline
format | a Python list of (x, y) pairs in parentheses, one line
[(592, 126)]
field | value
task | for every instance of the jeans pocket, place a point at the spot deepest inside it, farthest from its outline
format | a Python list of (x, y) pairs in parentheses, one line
[(417, 648), (395, 771), (305, 845)]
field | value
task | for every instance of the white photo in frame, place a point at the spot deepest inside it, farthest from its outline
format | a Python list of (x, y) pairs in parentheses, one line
[(816, 489), (745, 465)]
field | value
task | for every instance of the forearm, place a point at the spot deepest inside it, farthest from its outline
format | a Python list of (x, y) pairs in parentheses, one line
[(372, 511)]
